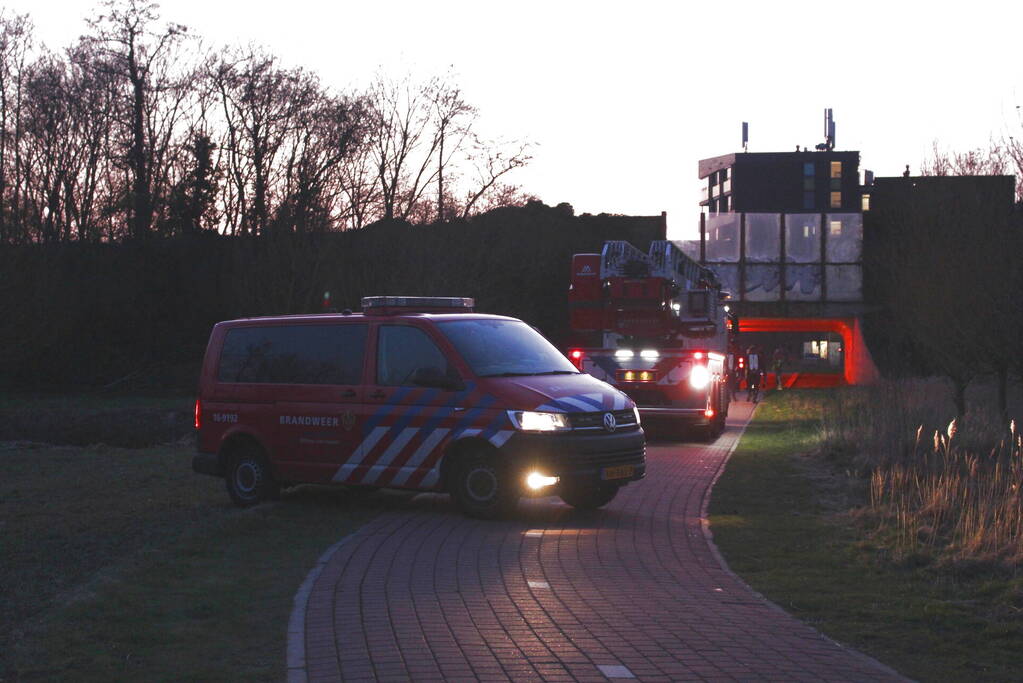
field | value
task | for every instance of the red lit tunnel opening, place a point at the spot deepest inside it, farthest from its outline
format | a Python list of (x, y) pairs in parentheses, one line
[(858, 366)]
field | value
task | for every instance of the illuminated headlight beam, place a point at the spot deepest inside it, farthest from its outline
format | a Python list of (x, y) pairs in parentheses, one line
[(699, 377), (536, 481)]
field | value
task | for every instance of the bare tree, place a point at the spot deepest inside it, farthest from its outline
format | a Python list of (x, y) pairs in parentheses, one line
[(425, 133), (145, 65), (262, 105), (16, 41), (492, 162)]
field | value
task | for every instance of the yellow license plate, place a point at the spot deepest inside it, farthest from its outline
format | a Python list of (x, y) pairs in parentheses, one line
[(620, 472)]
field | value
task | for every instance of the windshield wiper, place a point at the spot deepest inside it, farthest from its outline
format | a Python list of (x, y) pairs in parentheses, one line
[(531, 374), (509, 374)]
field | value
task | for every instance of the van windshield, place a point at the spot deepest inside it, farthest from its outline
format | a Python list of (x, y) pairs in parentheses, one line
[(505, 348)]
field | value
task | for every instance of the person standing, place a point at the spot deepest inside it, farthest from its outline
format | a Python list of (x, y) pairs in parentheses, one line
[(753, 374), (777, 361)]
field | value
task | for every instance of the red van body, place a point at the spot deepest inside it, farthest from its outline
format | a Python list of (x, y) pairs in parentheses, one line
[(415, 396)]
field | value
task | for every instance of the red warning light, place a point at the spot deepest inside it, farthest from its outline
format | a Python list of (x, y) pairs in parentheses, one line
[(576, 356), (698, 355), (709, 412)]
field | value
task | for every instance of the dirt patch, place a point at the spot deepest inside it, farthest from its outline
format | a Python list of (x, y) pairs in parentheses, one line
[(126, 427)]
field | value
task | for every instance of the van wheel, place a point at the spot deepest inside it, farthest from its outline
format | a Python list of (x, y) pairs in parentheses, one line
[(589, 498), (483, 488), (248, 479)]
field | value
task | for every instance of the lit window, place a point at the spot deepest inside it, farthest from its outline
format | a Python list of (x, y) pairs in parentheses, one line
[(808, 169), (865, 203), (836, 227), (836, 169), (806, 232), (836, 200)]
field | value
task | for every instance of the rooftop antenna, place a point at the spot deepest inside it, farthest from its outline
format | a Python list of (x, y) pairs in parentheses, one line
[(745, 136), (829, 129)]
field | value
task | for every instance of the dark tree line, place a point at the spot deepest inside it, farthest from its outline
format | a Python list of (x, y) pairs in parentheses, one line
[(91, 314), (943, 257), (138, 130)]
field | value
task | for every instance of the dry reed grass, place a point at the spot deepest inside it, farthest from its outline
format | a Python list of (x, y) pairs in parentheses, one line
[(942, 489)]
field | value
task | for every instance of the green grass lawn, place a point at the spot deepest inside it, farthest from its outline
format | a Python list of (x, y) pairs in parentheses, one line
[(783, 521), (123, 564)]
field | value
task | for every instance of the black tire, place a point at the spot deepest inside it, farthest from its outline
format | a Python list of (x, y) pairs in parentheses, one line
[(249, 479), (483, 488), (590, 497)]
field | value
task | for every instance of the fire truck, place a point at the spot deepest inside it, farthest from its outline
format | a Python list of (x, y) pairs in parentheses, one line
[(653, 325)]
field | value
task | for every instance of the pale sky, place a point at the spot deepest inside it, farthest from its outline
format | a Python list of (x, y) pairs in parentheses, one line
[(623, 99)]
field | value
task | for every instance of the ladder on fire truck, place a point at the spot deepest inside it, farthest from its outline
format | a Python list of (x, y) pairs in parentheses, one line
[(664, 259)]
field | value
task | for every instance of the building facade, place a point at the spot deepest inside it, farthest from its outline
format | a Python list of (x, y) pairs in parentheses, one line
[(784, 233)]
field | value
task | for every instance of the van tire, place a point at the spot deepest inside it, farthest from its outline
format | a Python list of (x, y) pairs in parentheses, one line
[(484, 488), (589, 498), (249, 479)]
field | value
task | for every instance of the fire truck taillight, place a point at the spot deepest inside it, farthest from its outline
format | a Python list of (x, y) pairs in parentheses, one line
[(198, 414), (709, 412), (576, 356), (698, 355)]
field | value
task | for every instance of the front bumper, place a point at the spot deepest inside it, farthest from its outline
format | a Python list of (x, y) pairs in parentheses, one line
[(694, 416), (580, 460)]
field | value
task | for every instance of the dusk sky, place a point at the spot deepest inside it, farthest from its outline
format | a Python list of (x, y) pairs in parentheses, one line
[(622, 100)]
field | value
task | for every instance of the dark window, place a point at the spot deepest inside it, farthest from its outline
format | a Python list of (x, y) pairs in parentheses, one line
[(401, 350), (808, 169), (505, 347), (809, 200), (294, 354), (698, 304)]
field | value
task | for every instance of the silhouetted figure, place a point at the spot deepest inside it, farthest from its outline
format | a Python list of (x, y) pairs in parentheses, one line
[(777, 361), (753, 374), (797, 148), (905, 174)]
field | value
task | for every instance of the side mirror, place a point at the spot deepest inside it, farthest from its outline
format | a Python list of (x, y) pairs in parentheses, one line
[(433, 378)]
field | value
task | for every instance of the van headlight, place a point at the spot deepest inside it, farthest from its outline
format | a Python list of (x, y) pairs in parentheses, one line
[(699, 377), (529, 421)]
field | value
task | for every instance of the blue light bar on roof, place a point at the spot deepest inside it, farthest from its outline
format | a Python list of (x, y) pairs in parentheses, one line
[(419, 303)]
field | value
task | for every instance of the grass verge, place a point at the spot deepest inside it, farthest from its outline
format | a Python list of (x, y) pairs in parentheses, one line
[(786, 523), (123, 564)]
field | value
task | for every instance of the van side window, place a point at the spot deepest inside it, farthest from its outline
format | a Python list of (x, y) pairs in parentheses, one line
[(294, 354), (401, 350)]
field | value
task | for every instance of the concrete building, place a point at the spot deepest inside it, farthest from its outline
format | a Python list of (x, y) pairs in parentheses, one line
[(784, 233)]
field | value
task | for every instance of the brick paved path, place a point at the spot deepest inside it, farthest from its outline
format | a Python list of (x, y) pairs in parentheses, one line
[(635, 590)]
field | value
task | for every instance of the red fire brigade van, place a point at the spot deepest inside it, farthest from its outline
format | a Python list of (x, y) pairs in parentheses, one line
[(415, 393)]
